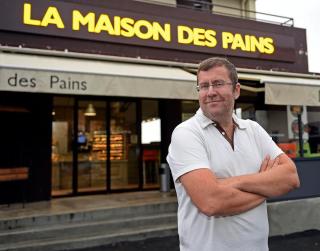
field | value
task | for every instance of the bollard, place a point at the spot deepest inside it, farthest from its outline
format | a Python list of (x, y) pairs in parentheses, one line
[(164, 172)]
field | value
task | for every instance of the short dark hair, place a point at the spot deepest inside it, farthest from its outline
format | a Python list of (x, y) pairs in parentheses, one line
[(213, 62)]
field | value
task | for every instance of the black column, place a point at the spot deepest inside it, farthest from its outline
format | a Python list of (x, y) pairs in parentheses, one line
[(25, 130), (40, 147), (170, 114)]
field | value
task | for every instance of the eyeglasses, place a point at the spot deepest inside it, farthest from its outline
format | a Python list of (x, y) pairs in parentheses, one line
[(218, 84)]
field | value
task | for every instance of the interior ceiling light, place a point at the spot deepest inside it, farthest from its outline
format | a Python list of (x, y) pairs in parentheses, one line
[(90, 111)]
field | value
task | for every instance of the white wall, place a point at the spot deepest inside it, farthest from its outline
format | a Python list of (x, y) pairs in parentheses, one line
[(241, 5), (164, 2)]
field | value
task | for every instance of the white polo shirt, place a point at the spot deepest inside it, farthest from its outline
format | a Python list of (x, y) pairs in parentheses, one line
[(197, 143)]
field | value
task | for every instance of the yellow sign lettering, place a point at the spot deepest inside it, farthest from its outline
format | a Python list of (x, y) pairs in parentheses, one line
[(52, 16), (227, 39), (196, 36), (256, 44), (164, 32), (143, 29), (210, 36), (127, 27), (268, 46), (199, 37), (27, 15), (238, 42), (78, 18), (185, 35), (104, 24), (150, 30), (248, 43), (117, 25)]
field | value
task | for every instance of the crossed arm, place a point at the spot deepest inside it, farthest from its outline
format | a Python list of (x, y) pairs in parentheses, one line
[(222, 197)]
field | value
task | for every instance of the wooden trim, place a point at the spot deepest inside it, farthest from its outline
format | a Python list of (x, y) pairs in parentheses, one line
[(15, 173)]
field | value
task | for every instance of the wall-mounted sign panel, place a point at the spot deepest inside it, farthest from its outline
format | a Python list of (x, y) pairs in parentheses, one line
[(29, 73), (278, 94)]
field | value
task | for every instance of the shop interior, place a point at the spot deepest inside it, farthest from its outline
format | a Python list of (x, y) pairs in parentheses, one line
[(105, 153)]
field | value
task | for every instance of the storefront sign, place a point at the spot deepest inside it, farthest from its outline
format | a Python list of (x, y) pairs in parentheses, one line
[(35, 81), (117, 26), (277, 94), (43, 74), (54, 82)]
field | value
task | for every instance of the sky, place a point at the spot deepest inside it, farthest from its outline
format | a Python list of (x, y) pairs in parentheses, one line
[(306, 14)]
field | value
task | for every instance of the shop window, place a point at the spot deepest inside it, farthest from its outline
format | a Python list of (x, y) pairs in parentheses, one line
[(151, 131), (196, 4), (312, 129), (277, 120), (124, 145), (92, 146), (62, 157), (272, 118), (309, 128), (188, 108), (281, 122), (151, 139)]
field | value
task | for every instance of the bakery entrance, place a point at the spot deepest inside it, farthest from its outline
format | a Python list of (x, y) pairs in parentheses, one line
[(101, 146), (107, 146)]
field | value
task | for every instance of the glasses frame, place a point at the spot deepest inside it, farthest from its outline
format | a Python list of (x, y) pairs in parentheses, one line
[(215, 84)]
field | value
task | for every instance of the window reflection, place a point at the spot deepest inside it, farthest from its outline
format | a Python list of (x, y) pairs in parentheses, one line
[(151, 139), (188, 108), (91, 144), (124, 147), (281, 122), (312, 128), (62, 130)]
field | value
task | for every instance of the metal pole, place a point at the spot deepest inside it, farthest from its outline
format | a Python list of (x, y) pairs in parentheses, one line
[(300, 136)]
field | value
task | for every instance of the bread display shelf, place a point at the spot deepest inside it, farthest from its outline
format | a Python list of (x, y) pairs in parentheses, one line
[(117, 146)]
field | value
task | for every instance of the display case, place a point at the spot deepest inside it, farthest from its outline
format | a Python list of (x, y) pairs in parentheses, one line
[(117, 146), (99, 145)]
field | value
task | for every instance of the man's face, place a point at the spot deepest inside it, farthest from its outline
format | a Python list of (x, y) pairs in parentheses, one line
[(217, 101)]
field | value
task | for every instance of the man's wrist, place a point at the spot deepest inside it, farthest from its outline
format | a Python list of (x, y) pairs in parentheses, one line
[(233, 182)]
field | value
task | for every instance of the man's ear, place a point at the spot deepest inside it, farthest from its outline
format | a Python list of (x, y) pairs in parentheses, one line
[(237, 91)]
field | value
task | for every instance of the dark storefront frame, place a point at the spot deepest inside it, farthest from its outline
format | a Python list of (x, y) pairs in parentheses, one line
[(35, 135), (108, 189)]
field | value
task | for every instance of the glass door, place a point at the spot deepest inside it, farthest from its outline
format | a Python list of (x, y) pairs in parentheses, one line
[(91, 146), (97, 145), (124, 145), (62, 151)]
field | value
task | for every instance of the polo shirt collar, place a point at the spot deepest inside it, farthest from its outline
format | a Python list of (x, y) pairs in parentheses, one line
[(205, 121), (241, 124)]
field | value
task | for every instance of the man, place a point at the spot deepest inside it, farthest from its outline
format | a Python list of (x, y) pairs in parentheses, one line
[(224, 168)]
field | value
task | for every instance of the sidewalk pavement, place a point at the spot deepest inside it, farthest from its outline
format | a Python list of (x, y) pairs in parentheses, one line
[(304, 241)]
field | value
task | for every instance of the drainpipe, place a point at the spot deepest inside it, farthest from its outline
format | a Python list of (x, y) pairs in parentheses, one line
[(243, 8)]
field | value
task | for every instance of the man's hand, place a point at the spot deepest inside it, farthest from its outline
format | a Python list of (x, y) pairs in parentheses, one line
[(215, 197), (235, 181), (275, 177)]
